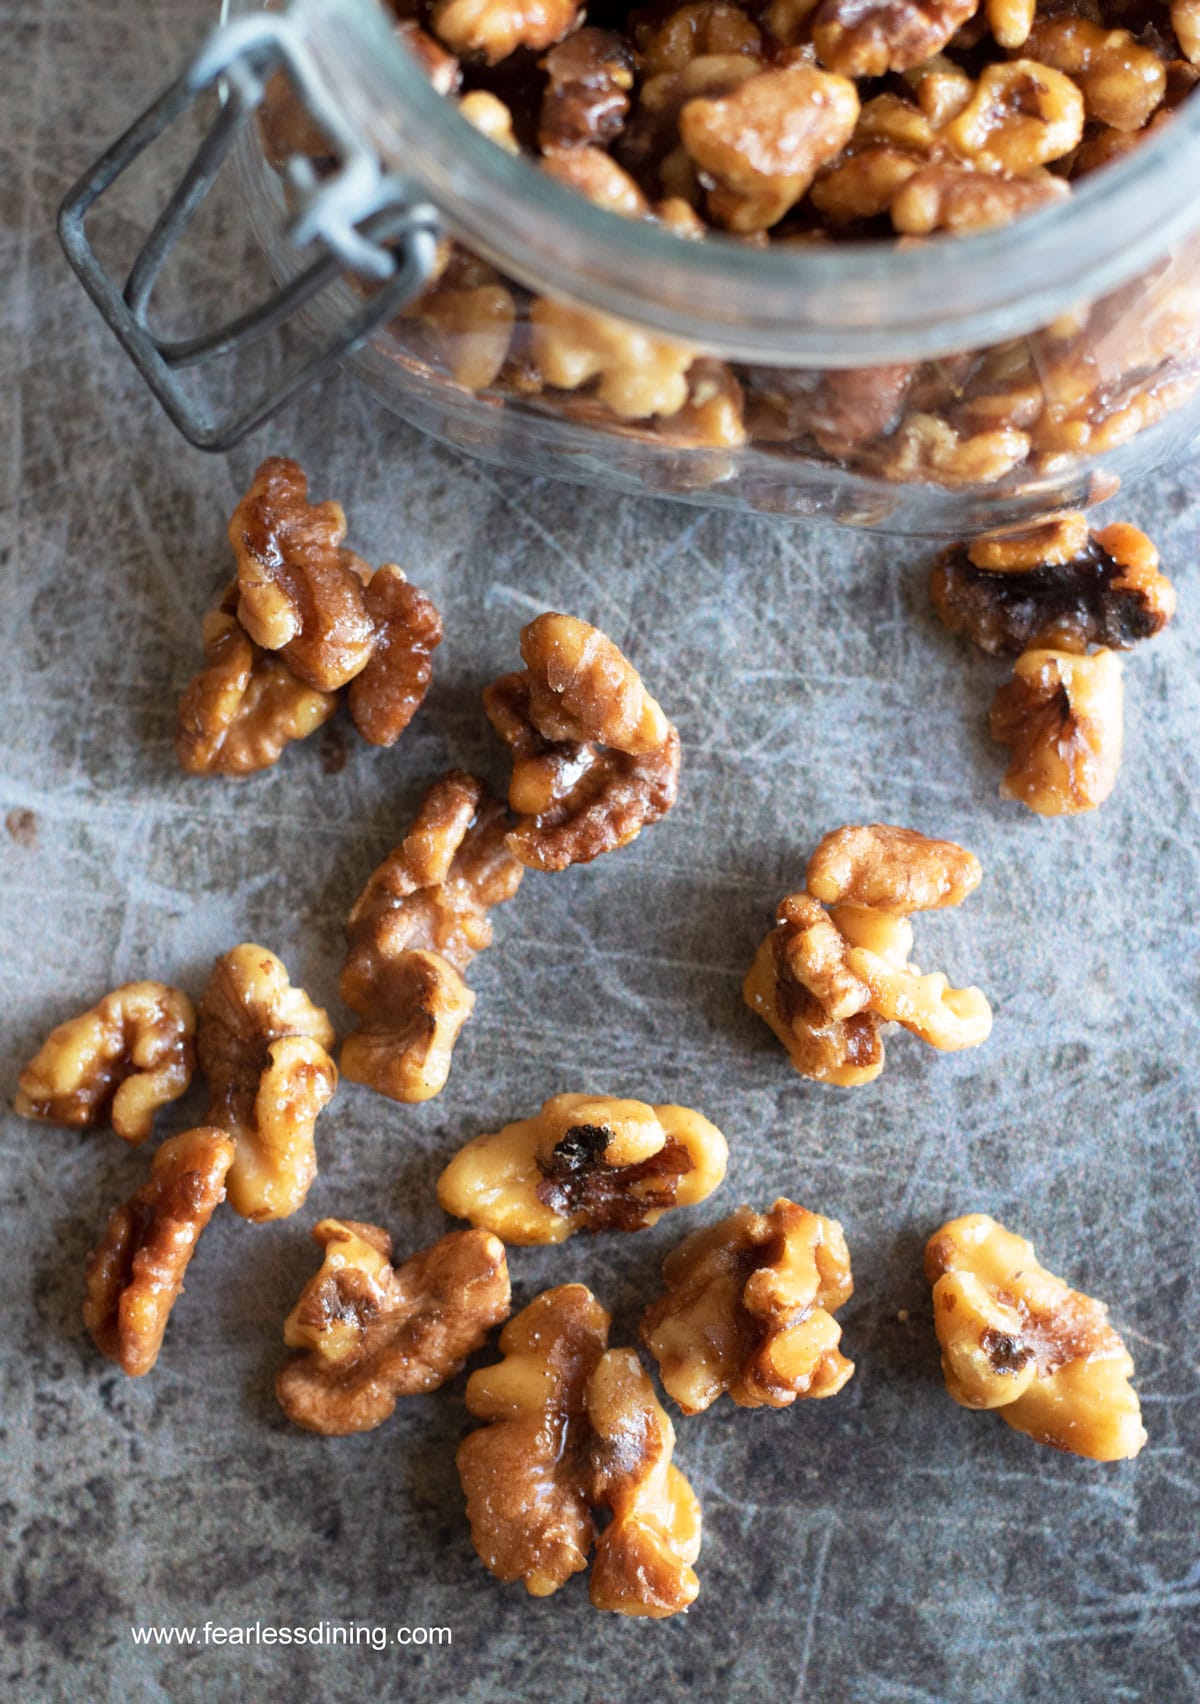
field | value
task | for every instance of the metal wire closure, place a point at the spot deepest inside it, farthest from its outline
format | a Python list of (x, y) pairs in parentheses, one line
[(360, 219)]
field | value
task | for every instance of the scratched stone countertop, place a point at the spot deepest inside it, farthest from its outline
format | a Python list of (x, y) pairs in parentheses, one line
[(882, 1546)]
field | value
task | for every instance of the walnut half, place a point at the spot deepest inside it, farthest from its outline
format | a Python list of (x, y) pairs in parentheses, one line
[(127, 1057), (1017, 1339), (371, 1333), (1062, 715), (584, 1163), (135, 1275), (749, 1308)]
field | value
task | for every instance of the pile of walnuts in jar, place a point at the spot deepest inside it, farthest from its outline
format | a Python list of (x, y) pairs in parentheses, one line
[(800, 123)]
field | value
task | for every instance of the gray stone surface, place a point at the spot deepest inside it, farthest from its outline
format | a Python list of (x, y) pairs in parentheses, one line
[(882, 1546)]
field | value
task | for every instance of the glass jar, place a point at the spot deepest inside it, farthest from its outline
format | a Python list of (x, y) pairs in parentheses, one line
[(939, 387)]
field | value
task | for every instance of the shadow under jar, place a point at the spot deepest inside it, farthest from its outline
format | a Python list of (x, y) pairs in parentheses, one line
[(941, 384)]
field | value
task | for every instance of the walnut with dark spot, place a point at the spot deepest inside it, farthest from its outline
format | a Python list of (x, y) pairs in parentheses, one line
[(588, 81)]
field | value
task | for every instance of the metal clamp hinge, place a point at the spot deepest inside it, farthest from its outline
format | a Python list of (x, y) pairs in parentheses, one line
[(362, 221)]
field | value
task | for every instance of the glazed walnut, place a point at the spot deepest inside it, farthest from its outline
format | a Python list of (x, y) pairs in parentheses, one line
[(262, 1045), (124, 1059), (1185, 21), (867, 38), (1122, 82), (413, 930), (1021, 115), (1054, 586), (644, 1556), (371, 1333), (492, 29), (1017, 1339), (526, 1473), (469, 314), (749, 1308), (245, 705), (827, 980), (584, 1163), (594, 758), (636, 375), (388, 691), (135, 1276), (588, 82), (1062, 715)]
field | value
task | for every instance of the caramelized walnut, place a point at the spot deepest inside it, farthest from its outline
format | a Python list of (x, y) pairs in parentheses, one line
[(1122, 82), (470, 316), (749, 1308), (245, 705), (300, 590), (960, 198), (493, 29), (388, 691), (636, 375), (644, 1556), (866, 38), (594, 758), (588, 81), (135, 1276), (526, 1474), (125, 1058), (371, 1333), (1063, 717), (584, 1163), (1021, 116), (826, 981), (262, 1044), (1019, 1340), (1054, 586), (700, 29), (415, 927), (1185, 21)]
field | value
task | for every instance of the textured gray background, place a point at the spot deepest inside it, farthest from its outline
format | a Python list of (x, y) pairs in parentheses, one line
[(882, 1546)]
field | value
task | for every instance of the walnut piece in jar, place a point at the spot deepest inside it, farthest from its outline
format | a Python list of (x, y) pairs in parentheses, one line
[(589, 77), (135, 1274), (1062, 715), (584, 1163), (594, 758), (526, 1472), (413, 930), (827, 980), (492, 29), (125, 1058), (867, 38), (371, 1332), (1022, 115), (1054, 586), (1122, 82), (636, 375), (1185, 21), (748, 1310), (644, 1557), (263, 1047), (245, 705), (1016, 1339)]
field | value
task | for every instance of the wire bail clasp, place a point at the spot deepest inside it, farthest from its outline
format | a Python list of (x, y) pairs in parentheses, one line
[(364, 221)]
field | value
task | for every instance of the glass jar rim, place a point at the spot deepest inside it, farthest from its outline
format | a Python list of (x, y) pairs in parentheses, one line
[(850, 304)]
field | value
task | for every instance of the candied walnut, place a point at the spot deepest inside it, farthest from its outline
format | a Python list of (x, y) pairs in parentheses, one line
[(594, 758), (749, 1308), (924, 447), (825, 982), (1122, 82), (763, 144), (959, 198), (1062, 716), (1185, 21), (135, 1275), (488, 114), (493, 29), (1017, 1339), (387, 693), (701, 29), (125, 1058), (1022, 115), (638, 375), (588, 81), (300, 589), (1054, 586), (526, 1474), (867, 38), (470, 316), (593, 173), (415, 927), (644, 1556), (262, 1044), (584, 1163), (1010, 21), (371, 1333), (245, 705)]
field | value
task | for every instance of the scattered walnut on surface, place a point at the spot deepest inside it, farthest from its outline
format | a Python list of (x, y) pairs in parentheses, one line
[(584, 1163), (749, 1308), (594, 758), (125, 1058), (371, 1333), (413, 930), (526, 1473), (867, 38), (495, 28), (388, 691), (827, 980), (1019, 1340), (245, 705), (135, 1275), (1062, 714), (644, 1556), (262, 1045), (1054, 586)]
